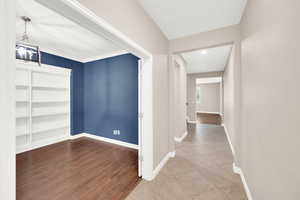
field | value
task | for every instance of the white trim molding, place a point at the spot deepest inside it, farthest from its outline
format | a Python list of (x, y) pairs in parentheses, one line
[(108, 55), (41, 144), (172, 154), (162, 163), (235, 168), (103, 139), (239, 171), (180, 139), (229, 140), (56, 52)]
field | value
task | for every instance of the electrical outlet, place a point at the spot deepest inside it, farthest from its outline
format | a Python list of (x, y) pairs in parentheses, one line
[(116, 132)]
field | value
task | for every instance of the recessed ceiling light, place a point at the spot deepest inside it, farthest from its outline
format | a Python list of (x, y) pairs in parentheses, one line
[(203, 52)]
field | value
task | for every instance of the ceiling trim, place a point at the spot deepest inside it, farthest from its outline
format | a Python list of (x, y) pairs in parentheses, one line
[(108, 55), (88, 19), (58, 53), (64, 55)]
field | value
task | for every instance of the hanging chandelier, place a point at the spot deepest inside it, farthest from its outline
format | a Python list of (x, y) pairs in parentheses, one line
[(25, 50)]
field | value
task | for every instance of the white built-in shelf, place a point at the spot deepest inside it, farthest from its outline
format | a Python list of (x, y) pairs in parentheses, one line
[(21, 132), (50, 114), (49, 87), (22, 101), (22, 86), (50, 101), (22, 116), (42, 105), (49, 129)]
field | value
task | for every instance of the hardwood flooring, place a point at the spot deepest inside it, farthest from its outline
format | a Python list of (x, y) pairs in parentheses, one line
[(207, 118), (81, 169)]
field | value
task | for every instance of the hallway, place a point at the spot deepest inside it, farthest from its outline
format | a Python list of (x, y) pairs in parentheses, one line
[(201, 170)]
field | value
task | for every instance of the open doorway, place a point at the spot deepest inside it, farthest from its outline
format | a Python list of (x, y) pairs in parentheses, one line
[(79, 108), (205, 84), (209, 100)]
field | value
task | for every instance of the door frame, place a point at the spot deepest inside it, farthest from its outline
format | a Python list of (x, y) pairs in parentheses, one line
[(78, 13), (7, 100), (81, 15)]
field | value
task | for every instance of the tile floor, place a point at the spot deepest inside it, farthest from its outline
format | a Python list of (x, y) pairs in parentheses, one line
[(201, 170)]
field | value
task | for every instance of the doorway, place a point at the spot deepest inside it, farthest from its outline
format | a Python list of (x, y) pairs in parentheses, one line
[(71, 102), (209, 100), (131, 47)]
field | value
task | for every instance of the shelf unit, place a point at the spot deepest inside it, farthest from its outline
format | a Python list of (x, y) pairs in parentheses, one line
[(42, 105)]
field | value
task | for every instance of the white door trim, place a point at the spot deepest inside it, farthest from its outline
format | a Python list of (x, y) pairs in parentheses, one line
[(75, 11), (70, 9), (7, 101), (140, 118)]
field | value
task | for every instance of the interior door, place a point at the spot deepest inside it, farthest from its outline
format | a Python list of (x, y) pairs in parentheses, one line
[(140, 119)]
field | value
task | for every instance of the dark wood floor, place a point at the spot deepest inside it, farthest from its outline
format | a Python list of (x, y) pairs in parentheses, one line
[(208, 118), (81, 169)]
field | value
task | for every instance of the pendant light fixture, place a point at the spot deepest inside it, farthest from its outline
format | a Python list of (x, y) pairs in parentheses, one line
[(25, 50)]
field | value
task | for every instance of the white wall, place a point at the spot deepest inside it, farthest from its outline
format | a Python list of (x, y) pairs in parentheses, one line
[(7, 101), (210, 100), (270, 99)]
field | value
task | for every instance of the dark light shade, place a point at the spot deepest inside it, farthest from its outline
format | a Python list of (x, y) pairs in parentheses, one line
[(27, 52)]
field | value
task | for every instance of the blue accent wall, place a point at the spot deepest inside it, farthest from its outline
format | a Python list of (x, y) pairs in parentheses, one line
[(77, 104), (111, 97), (104, 95)]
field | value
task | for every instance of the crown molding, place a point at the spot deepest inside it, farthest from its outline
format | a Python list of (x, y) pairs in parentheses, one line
[(108, 55), (62, 54)]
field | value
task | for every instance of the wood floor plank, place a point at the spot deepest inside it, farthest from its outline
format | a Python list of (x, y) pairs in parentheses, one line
[(209, 118), (77, 169)]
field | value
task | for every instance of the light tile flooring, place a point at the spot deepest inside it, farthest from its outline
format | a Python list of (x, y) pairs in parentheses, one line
[(201, 170)]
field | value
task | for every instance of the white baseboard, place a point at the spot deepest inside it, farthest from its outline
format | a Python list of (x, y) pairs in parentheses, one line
[(162, 164), (40, 144), (229, 140), (103, 139), (172, 154), (239, 171), (180, 139)]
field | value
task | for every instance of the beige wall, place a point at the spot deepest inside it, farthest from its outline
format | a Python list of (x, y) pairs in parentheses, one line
[(202, 40), (179, 115), (270, 99), (210, 100), (229, 101), (129, 18), (191, 98), (160, 109)]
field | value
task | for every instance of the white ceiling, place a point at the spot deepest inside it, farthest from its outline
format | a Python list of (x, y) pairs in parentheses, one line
[(59, 35), (214, 60), (178, 18)]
